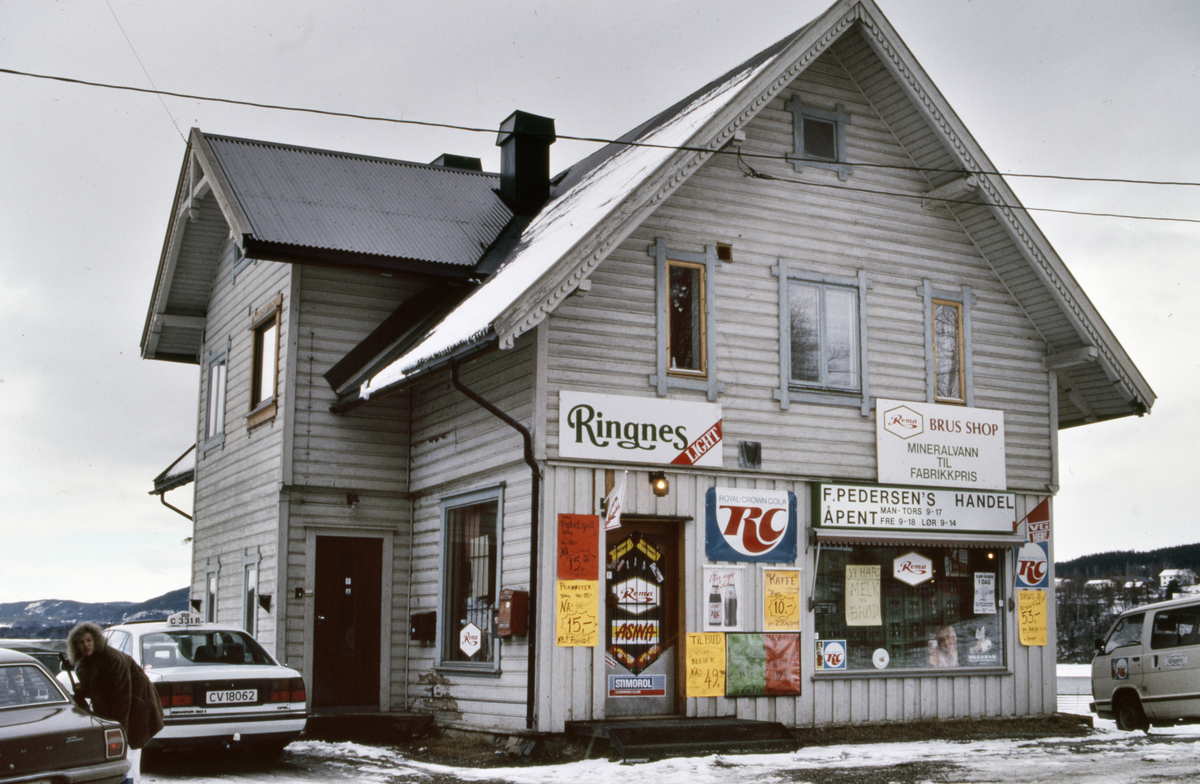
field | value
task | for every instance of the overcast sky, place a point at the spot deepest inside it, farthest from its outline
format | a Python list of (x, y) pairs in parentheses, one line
[(1073, 87)]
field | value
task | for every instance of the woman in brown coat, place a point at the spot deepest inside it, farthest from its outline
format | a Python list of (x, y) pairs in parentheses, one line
[(116, 685)]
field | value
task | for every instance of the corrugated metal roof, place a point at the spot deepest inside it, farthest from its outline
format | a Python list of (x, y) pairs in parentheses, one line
[(296, 196)]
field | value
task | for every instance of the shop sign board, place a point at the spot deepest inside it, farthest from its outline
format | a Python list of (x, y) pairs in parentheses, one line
[(1033, 565), (939, 445), (750, 525), (630, 429), (888, 508)]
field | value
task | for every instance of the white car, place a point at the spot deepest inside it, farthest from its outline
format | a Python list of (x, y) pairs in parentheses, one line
[(217, 684)]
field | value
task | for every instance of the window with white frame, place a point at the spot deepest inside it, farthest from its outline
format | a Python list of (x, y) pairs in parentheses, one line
[(216, 374), (264, 372), (471, 526), (250, 597), (948, 360), (210, 596), (822, 337), (686, 308), (819, 137)]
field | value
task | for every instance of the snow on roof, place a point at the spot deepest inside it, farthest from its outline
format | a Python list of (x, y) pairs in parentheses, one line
[(560, 226)]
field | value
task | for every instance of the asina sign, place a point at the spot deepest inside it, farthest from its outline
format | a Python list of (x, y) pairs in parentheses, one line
[(639, 430), (940, 446)]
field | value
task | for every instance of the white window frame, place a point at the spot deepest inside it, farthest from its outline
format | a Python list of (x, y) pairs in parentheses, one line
[(447, 629), (250, 565), (791, 391), (210, 594), (839, 118), (263, 406), (963, 297), (213, 434), (664, 379)]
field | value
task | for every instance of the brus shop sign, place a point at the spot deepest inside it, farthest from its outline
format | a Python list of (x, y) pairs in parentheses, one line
[(939, 445), (639, 429), (750, 525)]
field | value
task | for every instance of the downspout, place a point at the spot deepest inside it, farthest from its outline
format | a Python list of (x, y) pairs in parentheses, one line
[(535, 514)]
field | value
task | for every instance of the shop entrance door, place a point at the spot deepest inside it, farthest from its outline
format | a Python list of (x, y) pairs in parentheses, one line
[(643, 601), (347, 605)]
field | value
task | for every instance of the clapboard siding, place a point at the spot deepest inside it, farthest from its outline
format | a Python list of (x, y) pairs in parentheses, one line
[(819, 228), (236, 502), (365, 450)]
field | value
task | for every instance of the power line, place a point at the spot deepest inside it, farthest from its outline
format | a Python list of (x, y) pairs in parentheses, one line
[(739, 154), (121, 27), (750, 171)]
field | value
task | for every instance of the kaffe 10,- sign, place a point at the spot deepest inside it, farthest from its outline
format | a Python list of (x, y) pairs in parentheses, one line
[(638, 429)]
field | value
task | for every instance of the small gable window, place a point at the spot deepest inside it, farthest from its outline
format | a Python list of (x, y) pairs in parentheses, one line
[(819, 137), (685, 321), (216, 374)]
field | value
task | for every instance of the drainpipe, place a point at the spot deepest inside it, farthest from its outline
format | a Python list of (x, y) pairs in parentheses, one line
[(535, 514)]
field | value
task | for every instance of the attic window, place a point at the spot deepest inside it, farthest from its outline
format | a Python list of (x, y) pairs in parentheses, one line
[(819, 137)]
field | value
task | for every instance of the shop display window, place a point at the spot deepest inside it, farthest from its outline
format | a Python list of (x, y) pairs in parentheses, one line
[(952, 618)]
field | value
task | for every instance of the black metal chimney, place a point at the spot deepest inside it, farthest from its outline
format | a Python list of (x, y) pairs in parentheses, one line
[(524, 143)]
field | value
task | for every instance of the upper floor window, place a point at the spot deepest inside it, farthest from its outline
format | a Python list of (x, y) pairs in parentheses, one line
[(266, 361), (216, 375), (470, 566), (210, 596), (686, 305), (948, 352), (685, 318), (822, 340), (948, 362), (819, 137), (264, 373)]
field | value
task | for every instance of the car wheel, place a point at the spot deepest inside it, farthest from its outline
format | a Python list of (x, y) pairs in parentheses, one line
[(1130, 716)]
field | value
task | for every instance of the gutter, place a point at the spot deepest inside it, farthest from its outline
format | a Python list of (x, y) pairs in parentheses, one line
[(535, 514)]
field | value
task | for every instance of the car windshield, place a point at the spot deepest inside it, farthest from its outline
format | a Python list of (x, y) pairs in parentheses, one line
[(25, 684), (196, 647), (1126, 631)]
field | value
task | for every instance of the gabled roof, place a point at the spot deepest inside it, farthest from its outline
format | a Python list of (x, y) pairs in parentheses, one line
[(297, 204), (602, 200)]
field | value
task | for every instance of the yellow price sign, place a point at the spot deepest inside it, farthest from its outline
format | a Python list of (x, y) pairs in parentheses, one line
[(706, 664), (578, 606), (781, 600), (1031, 617)]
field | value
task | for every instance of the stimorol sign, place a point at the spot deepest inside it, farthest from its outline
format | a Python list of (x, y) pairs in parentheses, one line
[(639, 429), (939, 446)]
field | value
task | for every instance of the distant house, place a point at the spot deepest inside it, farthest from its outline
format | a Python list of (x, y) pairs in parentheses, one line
[(1138, 585), (1182, 577), (418, 384), (1100, 585)]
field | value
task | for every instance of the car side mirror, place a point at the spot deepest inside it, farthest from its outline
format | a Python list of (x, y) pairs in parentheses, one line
[(64, 663), (1099, 644)]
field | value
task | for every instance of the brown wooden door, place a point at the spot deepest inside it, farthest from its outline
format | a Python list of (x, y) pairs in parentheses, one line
[(347, 606)]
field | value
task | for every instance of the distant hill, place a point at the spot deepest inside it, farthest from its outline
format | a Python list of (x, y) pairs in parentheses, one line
[(53, 618), (1130, 563)]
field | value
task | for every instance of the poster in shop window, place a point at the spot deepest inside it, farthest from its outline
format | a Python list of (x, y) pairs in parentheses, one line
[(578, 547), (862, 595)]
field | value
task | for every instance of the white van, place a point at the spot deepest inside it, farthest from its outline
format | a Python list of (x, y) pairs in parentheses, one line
[(1147, 670)]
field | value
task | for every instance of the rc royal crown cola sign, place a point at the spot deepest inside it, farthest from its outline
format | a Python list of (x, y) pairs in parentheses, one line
[(750, 525)]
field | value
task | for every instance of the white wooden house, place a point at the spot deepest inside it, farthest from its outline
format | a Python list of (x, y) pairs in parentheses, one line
[(411, 373)]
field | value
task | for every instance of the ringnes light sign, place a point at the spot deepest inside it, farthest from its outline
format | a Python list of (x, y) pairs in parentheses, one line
[(639, 429)]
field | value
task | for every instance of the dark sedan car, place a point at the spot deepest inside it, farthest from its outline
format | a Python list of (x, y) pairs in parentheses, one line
[(44, 737)]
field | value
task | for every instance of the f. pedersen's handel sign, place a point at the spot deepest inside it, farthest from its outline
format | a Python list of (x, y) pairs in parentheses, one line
[(638, 429), (939, 446)]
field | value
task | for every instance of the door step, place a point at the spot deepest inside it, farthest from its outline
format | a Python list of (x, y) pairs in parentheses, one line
[(643, 740)]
